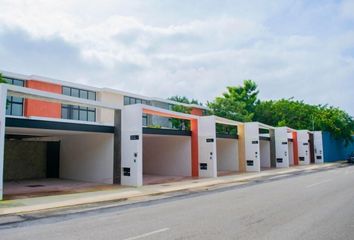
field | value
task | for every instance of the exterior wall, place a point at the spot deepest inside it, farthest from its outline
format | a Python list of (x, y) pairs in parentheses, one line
[(106, 116), (25, 160), (264, 153), (87, 157), (227, 154), (252, 147), (335, 149), (318, 146), (295, 149), (207, 147), (303, 147), (167, 155), (281, 147), (132, 148), (241, 148), (41, 108), (197, 111)]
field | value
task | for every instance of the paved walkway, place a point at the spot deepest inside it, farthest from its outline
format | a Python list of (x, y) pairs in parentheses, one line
[(123, 193)]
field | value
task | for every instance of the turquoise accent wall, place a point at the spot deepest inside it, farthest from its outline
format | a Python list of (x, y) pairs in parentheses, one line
[(334, 149)]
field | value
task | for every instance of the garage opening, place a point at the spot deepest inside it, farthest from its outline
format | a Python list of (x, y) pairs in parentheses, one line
[(264, 145), (226, 150), (42, 162), (291, 152), (311, 148), (167, 155)]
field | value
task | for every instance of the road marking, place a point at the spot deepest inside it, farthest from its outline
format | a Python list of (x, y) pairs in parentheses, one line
[(148, 234), (319, 183)]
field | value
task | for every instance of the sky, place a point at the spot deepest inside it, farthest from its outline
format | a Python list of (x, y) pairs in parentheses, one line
[(160, 48)]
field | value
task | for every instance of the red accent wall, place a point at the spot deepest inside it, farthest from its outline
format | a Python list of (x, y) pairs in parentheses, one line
[(197, 111), (295, 149), (39, 108), (195, 152)]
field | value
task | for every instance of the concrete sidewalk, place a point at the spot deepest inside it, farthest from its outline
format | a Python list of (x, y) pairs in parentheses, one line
[(121, 194)]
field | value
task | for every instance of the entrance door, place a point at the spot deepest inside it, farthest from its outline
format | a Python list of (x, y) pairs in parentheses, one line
[(53, 158), (312, 149)]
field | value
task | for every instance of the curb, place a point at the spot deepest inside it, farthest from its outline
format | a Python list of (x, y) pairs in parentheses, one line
[(75, 200)]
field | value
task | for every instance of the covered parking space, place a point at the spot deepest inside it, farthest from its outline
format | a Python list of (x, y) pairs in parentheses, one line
[(45, 156), (259, 146), (286, 147), (220, 150), (157, 155)]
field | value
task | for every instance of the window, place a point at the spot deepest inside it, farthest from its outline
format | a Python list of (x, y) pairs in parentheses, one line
[(77, 112), (132, 100), (14, 105)]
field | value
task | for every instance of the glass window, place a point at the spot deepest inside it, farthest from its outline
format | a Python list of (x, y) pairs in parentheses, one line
[(92, 95), (16, 109), (66, 91), (76, 112), (126, 100), (75, 92), (64, 113), (83, 94), (14, 104), (91, 116)]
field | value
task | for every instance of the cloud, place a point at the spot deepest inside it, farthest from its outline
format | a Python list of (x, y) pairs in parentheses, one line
[(196, 49)]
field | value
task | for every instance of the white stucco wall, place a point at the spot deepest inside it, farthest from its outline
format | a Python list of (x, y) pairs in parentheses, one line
[(252, 146), (227, 154), (264, 153), (106, 116), (167, 155), (87, 157)]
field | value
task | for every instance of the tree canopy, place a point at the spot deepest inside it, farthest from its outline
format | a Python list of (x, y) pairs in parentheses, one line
[(238, 103), (241, 103)]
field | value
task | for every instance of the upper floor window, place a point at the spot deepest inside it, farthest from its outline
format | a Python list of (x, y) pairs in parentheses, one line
[(75, 112), (14, 104), (132, 100)]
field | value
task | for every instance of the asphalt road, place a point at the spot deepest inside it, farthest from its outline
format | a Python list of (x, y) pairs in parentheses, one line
[(317, 205)]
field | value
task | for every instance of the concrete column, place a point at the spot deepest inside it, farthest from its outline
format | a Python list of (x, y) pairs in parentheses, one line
[(117, 158), (195, 150), (241, 148), (272, 148), (3, 95)]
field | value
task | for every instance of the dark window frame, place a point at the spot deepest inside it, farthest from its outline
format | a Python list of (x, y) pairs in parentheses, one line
[(73, 112), (12, 101)]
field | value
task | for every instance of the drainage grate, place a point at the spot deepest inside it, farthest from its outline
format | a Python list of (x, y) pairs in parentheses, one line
[(35, 185)]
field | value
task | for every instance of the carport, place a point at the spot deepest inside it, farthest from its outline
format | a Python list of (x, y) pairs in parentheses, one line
[(45, 156), (259, 146), (157, 155), (286, 147), (220, 152)]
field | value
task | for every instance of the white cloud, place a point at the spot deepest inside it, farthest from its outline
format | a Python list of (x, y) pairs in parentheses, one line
[(166, 49)]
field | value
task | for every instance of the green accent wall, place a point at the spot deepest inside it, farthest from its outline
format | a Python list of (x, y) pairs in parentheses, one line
[(25, 160)]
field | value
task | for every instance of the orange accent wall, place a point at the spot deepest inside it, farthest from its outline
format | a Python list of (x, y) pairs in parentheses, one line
[(39, 108), (197, 111), (295, 149), (195, 153)]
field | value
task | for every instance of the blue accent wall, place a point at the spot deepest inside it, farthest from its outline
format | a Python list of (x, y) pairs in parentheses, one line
[(334, 149)]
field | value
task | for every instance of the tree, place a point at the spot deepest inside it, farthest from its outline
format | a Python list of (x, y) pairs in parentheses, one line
[(2, 80), (238, 103), (299, 115)]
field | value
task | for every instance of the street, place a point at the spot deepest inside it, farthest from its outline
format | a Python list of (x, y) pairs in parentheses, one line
[(318, 205)]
